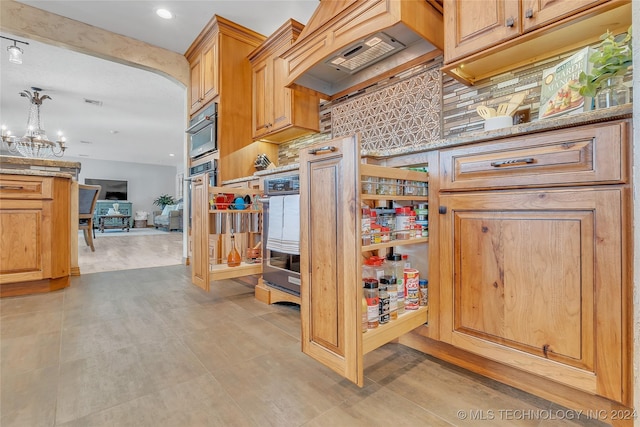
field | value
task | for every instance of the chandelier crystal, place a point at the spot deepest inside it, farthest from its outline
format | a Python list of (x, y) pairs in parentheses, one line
[(35, 142)]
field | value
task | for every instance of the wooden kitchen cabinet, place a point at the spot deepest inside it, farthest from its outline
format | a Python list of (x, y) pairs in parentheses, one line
[(204, 74), (473, 26), (221, 73), (211, 231), (483, 39), (331, 256), (534, 276), (280, 114), (35, 234)]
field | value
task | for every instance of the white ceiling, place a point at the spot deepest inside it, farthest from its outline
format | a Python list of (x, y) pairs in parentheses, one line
[(142, 117)]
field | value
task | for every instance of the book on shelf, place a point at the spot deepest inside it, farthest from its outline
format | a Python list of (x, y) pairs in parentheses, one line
[(559, 95)]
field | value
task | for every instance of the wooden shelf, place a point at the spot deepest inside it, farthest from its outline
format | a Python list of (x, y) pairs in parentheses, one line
[(393, 197), (405, 322), (223, 271), (393, 243)]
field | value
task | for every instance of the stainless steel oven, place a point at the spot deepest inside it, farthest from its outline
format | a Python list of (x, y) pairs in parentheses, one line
[(280, 270)]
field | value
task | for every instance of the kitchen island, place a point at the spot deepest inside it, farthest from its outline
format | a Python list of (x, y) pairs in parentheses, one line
[(38, 226)]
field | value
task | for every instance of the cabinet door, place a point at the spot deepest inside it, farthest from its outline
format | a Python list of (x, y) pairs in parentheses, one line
[(200, 232), (330, 301), (24, 236), (281, 115), (534, 279), (262, 98), (536, 13), (209, 66), (195, 90), (471, 26)]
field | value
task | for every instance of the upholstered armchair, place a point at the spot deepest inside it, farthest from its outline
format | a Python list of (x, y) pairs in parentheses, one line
[(170, 217)]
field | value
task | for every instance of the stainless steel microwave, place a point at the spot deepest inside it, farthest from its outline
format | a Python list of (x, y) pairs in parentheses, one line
[(203, 129)]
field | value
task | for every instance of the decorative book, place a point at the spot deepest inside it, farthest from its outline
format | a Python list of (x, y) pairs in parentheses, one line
[(559, 92)]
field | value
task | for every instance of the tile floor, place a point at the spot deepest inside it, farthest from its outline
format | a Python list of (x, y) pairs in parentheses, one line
[(144, 347)]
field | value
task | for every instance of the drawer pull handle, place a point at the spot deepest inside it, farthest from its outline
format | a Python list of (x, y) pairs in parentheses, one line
[(512, 162), (528, 14), (11, 187), (510, 22), (323, 149)]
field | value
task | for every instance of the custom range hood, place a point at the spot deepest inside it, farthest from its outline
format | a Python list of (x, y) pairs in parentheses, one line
[(349, 42)]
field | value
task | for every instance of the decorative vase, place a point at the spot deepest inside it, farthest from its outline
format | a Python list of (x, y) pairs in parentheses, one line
[(233, 259), (614, 93)]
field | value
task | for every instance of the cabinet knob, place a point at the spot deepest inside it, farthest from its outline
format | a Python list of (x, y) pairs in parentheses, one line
[(510, 22), (528, 14), (442, 210)]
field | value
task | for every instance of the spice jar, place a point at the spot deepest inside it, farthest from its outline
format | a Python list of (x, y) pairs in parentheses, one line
[(365, 225), (373, 302), (384, 305), (394, 269), (423, 285), (390, 283)]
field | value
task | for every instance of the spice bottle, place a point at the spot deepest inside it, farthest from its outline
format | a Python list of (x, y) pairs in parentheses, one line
[(394, 268), (383, 307), (365, 315), (391, 284), (365, 224), (373, 302), (424, 292)]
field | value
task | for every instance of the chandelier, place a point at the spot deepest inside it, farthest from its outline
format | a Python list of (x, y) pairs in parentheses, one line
[(35, 142)]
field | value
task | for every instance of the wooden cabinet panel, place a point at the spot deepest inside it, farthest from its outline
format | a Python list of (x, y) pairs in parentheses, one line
[(195, 98), (329, 301), (536, 282), (261, 99), (35, 234), (592, 154), (21, 234), (21, 188), (209, 80), (204, 75), (200, 232), (476, 25), (479, 45), (280, 114), (536, 13)]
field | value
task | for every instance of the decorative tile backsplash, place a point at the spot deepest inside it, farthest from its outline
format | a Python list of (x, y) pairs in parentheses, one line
[(403, 114), (422, 105), (400, 111)]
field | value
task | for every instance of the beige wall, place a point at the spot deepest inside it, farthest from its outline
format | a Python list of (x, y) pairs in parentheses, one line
[(25, 21)]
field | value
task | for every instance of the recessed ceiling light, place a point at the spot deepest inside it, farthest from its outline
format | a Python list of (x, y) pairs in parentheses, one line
[(164, 14), (171, 155)]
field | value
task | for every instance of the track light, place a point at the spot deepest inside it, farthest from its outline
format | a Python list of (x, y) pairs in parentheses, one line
[(15, 53)]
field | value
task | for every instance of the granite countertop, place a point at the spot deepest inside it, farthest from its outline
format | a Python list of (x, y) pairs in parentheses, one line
[(27, 161), (595, 116), (35, 172)]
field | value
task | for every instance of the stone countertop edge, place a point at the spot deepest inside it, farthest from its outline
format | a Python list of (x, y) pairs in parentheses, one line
[(35, 172), (563, 122), (27, 161)]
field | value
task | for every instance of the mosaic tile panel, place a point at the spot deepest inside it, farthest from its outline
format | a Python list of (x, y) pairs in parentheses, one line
[(405, 113)]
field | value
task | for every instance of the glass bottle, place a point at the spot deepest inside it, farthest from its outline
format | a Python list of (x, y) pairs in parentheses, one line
[(394, 268), (233, 259), (614, 93)]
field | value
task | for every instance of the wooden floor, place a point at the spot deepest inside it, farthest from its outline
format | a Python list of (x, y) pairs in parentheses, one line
[(144, 347)]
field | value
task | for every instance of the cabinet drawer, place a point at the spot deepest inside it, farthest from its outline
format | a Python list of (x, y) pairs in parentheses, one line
[(25, 187), (578, 156)]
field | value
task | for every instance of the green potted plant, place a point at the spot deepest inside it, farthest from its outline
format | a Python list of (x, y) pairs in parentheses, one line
[(611, 60), (164, 200)]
